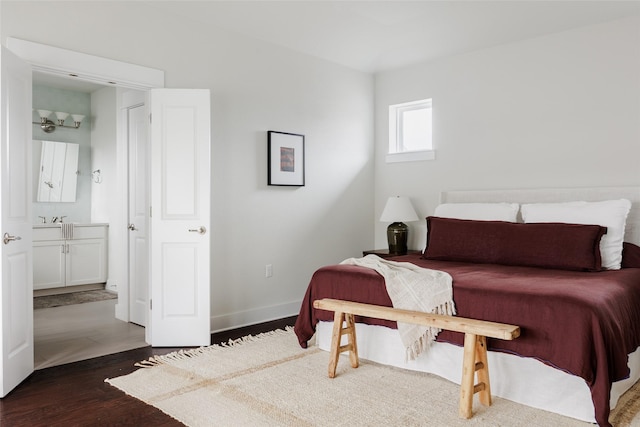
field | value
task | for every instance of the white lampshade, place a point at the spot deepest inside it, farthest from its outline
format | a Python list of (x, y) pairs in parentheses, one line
[(61, 116), (77, 117), (44, 114), (398, 209)]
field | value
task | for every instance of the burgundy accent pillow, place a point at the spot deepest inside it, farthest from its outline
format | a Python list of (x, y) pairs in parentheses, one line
[(548, 245), (630, 255)]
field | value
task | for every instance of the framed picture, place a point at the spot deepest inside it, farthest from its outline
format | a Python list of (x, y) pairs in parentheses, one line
[(286, 159)]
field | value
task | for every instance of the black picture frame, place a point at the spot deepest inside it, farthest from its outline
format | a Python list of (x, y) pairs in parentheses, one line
[(286, 159)]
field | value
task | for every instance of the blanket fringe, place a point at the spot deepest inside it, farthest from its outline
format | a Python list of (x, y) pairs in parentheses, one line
[(191, 353), (424, 341)]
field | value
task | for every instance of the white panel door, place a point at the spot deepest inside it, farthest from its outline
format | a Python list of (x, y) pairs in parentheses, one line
[(180, 217), (138, 215), (16, 290)]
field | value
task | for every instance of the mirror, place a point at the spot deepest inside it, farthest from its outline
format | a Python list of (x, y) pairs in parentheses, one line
[(58, 172)]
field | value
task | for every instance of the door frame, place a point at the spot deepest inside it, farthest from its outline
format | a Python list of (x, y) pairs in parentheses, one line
[(108, 72), (91, 68)]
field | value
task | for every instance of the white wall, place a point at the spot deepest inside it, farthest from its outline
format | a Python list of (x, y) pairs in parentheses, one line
[(255, 87), (103, 152), (561, 110), (103, 157)]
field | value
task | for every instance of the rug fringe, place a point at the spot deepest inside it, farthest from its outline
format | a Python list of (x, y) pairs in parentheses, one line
[(195, 352)]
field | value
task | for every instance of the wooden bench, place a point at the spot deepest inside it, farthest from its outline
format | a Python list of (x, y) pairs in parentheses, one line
[(475, 341)]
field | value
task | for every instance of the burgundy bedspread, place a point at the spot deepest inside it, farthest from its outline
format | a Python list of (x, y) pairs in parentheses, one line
[(585, 323)]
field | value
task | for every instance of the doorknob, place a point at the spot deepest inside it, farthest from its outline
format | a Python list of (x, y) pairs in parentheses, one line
[(9, 238), (200, 230), (132, 227)]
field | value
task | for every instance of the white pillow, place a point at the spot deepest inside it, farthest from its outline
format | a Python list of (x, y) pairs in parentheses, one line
[(610, 213), (479, 211)]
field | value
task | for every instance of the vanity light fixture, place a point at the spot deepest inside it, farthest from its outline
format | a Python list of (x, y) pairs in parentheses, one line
[(49, 126)]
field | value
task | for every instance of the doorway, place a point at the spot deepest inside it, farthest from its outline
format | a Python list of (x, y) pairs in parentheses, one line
[(179, 162), (76, 332)]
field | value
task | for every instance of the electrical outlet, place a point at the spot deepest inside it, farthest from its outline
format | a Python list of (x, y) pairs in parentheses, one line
[(268, 270)]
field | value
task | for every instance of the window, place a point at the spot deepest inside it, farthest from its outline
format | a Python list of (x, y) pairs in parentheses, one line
[(410, 132)]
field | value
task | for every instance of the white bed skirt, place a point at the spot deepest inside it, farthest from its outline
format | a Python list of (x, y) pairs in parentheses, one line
[(519, 379)]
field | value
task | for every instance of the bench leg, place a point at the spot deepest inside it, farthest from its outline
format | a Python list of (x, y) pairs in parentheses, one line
[(482, 367), (339, 330), (350, 330), (475, 360)]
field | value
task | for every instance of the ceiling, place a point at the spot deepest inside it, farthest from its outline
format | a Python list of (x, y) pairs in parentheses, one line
[(374, 36)]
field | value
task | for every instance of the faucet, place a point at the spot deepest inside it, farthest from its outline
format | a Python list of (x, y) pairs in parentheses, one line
[(54, 219), (62, 217)]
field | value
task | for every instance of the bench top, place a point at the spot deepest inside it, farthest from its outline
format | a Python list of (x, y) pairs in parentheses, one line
[(451, 323)]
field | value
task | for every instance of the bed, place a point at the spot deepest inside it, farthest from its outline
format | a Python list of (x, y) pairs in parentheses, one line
[(580, 323)]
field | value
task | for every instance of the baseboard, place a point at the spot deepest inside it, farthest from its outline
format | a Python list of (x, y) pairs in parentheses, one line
[(111, 286), (122, 311), (241, 319)]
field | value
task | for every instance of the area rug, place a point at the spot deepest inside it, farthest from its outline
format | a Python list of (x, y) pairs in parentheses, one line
[(268, 380), (81, 297)]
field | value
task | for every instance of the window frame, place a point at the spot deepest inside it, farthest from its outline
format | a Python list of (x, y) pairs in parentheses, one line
[(396, 151)]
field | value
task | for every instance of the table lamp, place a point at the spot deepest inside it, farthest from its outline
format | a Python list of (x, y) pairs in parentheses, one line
[(397, 210)]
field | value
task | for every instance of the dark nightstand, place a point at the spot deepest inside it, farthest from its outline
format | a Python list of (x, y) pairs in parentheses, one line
[(384, 253)]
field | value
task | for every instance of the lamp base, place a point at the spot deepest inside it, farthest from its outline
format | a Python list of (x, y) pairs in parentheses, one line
[(397, 234)]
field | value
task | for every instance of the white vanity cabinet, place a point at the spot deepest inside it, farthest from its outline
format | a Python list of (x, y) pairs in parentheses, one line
[(49, 260), (80, 260)]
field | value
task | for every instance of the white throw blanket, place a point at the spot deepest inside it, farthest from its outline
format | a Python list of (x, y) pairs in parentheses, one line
[(413, 288)]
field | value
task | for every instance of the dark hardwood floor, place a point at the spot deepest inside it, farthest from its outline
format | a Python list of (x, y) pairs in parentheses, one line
[(75, 394)]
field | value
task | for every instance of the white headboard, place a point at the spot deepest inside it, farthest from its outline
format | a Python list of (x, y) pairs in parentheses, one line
[(553, 195)]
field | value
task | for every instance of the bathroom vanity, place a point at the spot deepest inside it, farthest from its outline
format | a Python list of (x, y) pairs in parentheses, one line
[(69, 255)]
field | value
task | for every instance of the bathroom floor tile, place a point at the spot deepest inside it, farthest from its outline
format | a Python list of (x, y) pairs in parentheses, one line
[(81, 331)]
